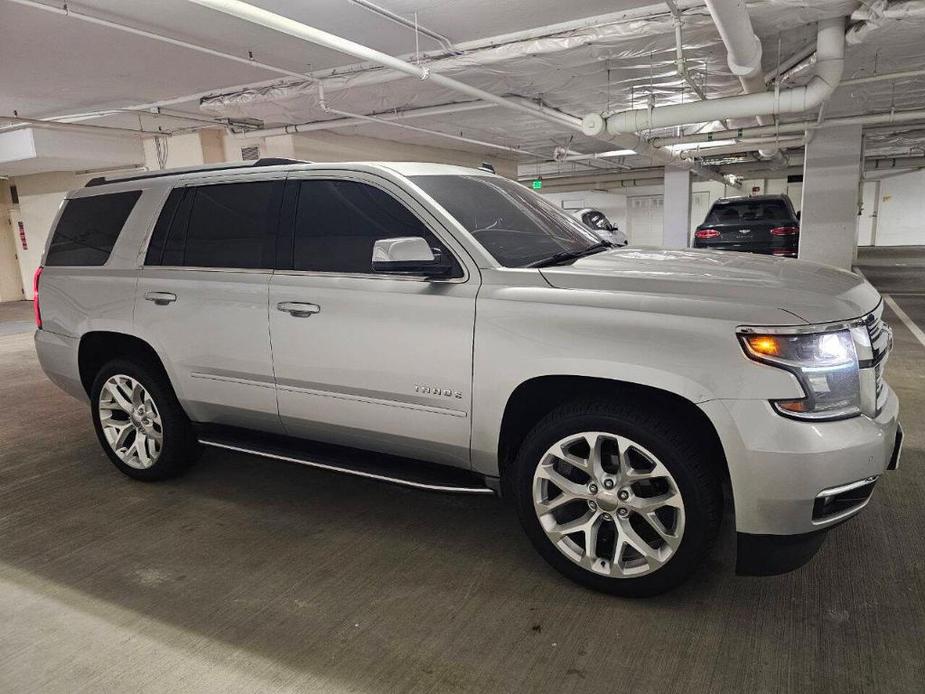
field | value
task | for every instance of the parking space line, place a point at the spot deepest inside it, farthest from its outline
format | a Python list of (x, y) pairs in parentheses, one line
[(904, 317)]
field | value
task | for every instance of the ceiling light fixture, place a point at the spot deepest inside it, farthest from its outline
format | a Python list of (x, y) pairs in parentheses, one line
[(696, 145)]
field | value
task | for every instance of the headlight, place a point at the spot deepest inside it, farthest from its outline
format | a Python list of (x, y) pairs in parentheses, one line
[(826, 364)]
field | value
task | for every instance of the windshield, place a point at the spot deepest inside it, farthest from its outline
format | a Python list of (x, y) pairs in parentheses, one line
[(747, 211), (514, 224)]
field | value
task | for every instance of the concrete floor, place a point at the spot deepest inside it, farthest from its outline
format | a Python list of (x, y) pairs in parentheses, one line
[(247, 576)]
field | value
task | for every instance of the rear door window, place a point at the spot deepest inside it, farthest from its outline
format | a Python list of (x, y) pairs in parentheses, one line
[(227, 225), (88, 228)]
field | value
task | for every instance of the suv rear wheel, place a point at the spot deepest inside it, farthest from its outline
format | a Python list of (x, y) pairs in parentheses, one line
[(139, 421), (617, 498)]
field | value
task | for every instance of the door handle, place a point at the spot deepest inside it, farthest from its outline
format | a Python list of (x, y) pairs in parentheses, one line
[(161, 298), (298, 309)]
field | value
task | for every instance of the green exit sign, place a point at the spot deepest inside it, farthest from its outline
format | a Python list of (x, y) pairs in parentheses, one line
[(537, 184)]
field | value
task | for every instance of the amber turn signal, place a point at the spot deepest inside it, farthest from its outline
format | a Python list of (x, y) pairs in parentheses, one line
[(764, 344)]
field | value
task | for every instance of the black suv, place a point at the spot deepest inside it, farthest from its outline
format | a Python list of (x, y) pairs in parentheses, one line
[(761, 224)]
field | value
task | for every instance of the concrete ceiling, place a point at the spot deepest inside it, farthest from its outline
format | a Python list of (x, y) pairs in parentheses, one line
[(55, 65)]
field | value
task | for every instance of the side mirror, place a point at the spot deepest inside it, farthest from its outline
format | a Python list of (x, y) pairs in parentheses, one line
[(798, 213), (408, 255)]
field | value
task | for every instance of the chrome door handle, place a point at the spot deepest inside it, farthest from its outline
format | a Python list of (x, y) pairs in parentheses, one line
[(161, 298), (298, 308)]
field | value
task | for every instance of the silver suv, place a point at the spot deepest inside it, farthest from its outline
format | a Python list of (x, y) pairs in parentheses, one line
[(448, 329)]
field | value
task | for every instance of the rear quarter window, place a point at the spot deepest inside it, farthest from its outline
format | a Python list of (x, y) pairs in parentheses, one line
[(88, 228)]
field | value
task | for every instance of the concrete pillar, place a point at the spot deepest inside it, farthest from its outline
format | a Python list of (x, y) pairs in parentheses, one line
[(10, 281), (829, 213), (677, 208)]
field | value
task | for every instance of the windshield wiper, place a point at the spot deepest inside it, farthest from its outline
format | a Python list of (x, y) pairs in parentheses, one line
[(566, 256)]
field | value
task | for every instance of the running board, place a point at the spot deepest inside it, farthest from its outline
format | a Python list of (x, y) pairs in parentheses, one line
[(350, 461)]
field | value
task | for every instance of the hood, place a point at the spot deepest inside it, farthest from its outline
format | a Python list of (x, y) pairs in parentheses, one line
[(811, 292)]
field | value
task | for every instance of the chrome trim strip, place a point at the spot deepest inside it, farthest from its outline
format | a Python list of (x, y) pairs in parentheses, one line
[(348, 471), (809, 327), (199, 268), (832, 491), (340, 395), (231, 379), (374, 276)]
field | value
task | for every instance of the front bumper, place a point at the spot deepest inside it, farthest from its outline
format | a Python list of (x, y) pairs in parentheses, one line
[(793, 479), (778, 466)]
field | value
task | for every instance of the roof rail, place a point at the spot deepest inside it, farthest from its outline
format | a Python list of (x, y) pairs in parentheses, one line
[(266, 161)]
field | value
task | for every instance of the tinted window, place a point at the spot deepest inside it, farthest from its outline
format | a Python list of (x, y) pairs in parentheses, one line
[(337, 223), (89, 227), (231, 225), (155, 252), (747, 211), (517, 226)]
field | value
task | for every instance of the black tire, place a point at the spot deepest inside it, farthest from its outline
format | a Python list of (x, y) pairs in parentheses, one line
[(681, 453), (180, 447)]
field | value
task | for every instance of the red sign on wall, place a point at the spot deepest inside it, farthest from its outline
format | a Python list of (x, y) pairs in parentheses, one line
[(22, 237)]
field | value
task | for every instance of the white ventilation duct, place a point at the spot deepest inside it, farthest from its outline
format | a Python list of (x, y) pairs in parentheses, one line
[(888, 118), (743, 50), (830, 49)]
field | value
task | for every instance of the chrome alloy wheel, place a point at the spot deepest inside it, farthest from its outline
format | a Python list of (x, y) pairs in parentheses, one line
[(608, 504), (131, 422)]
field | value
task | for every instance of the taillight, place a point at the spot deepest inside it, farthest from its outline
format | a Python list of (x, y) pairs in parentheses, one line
[(706, 234), (35, 296), (785, 231)]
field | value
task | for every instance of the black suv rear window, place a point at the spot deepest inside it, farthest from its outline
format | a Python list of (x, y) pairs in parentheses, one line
[(747, 211), (89, 227)]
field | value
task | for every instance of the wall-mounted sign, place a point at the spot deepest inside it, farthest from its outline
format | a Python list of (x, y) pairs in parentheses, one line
[(22, 237), (537, 184)]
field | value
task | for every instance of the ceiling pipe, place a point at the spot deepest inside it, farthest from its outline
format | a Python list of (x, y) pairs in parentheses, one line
[(886, 76), (426, 131), (68, 12), (567, 187), (891, 118), (702, 152), (290, 27), (334, 123), (798, 57), (680, 62), (830, 48), (743, 50), (647, 172), (22, 123), (405, 22)]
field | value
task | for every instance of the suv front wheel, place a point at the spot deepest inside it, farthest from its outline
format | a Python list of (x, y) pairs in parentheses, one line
[(139, 421), (619, 499)]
